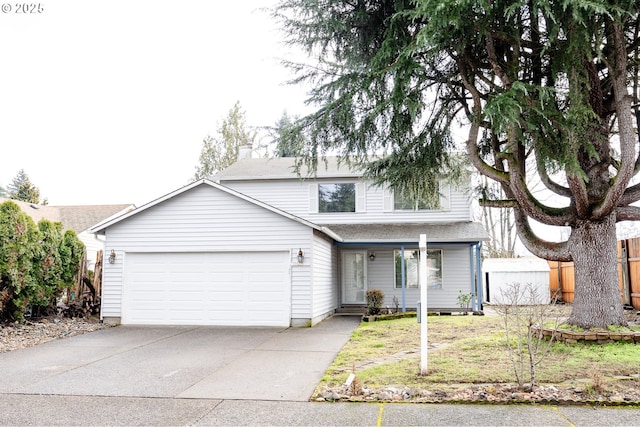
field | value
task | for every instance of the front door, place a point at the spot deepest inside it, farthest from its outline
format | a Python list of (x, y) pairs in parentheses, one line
[(354, 277)]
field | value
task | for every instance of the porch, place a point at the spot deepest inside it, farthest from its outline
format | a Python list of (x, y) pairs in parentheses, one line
[(385, 257)]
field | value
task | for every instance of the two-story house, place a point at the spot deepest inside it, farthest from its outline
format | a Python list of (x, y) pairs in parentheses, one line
[(259, 245)]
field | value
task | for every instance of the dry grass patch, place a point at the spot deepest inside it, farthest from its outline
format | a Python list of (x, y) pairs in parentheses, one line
[(466, 349)]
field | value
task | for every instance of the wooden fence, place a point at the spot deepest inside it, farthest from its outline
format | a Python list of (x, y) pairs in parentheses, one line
[(562, 281)]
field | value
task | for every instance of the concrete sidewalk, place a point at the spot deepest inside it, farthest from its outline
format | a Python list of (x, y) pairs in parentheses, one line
[(17, 409)]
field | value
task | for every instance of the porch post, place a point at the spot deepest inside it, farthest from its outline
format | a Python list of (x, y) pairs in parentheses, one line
[(472, 275), (422, 275), (402, 275), (479, 295)]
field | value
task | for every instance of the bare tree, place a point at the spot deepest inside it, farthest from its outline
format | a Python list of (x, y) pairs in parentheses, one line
[(524, 316)]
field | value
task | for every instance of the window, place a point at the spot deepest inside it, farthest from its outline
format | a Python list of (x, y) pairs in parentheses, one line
[(402, 202), (411, 257), (336, 198)]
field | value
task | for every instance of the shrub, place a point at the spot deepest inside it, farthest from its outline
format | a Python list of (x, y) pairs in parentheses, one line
[(375, 297), (48, 268), (19, 251), (36, 262)]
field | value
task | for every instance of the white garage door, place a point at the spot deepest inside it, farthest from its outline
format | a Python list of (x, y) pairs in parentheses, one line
[(242, 289)]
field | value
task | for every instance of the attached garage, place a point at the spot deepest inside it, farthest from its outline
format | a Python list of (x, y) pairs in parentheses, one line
[(208, 255), (224, 288)]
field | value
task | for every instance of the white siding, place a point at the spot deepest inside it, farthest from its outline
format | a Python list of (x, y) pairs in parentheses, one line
[(456, 276), (325, 288), (205, 219), (299, 197)]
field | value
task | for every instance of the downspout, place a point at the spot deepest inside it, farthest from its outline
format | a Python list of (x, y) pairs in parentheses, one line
[(402, 275)]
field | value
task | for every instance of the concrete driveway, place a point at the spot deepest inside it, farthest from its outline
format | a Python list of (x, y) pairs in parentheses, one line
[(180, 362)]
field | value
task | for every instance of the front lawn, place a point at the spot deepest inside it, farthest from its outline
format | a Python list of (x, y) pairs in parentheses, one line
[(467, 350)]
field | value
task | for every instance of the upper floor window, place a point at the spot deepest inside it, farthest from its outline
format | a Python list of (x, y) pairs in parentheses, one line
[(336, 198), (403, 202)]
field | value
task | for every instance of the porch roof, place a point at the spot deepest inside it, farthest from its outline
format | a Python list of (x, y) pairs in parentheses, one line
[(458, 232)]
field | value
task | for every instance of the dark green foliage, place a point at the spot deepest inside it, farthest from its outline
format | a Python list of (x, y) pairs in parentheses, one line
[(19, 249), (72, 252), (372, 92), (530, 79), (22, 189), (48, 266), (375, 298), (36, 262), (537, 92), (280, 136)]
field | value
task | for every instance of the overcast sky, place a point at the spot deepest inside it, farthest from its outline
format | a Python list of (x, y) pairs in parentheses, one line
[(107, 102)]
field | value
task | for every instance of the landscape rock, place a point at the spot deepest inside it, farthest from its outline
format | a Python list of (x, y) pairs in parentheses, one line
[(15, 336)]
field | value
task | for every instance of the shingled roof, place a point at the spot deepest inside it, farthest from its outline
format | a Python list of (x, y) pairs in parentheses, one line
[(284, 168), (457, 232), (76, 218)]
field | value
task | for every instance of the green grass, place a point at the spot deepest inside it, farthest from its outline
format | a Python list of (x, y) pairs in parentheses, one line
[(470, 349)]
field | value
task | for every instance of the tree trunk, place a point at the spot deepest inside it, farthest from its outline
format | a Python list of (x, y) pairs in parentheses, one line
[(597, 300)]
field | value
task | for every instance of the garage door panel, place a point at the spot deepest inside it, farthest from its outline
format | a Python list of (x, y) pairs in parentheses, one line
[(207, 288), (150, 299), (222, 295), (265, 297)]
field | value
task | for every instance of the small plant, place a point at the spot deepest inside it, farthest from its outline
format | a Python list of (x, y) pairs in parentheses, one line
[(355, 386), (464, 300), (375, 298), (396, 304), (598, 383)]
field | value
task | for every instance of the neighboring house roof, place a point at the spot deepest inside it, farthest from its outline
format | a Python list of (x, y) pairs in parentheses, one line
[(410, 233), (101, 227), (76, 218), (81, 218), (284, 168), (522, 264)]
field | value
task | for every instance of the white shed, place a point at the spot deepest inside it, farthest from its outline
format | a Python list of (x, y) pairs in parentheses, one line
[(501, 273)]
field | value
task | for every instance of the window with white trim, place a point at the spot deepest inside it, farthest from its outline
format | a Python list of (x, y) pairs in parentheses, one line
[(336, 197), (411, 259), (404, 202)]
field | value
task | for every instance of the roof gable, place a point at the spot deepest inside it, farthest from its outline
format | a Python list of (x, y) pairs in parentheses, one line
[(102, 227)]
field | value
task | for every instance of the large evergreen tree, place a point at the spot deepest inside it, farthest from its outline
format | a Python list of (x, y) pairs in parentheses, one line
[(278, 135), (22, 189), (543, 86)]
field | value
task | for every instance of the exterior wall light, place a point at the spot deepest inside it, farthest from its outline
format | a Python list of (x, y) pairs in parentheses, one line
[(112, 257), (300, 256), (372, 256)]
